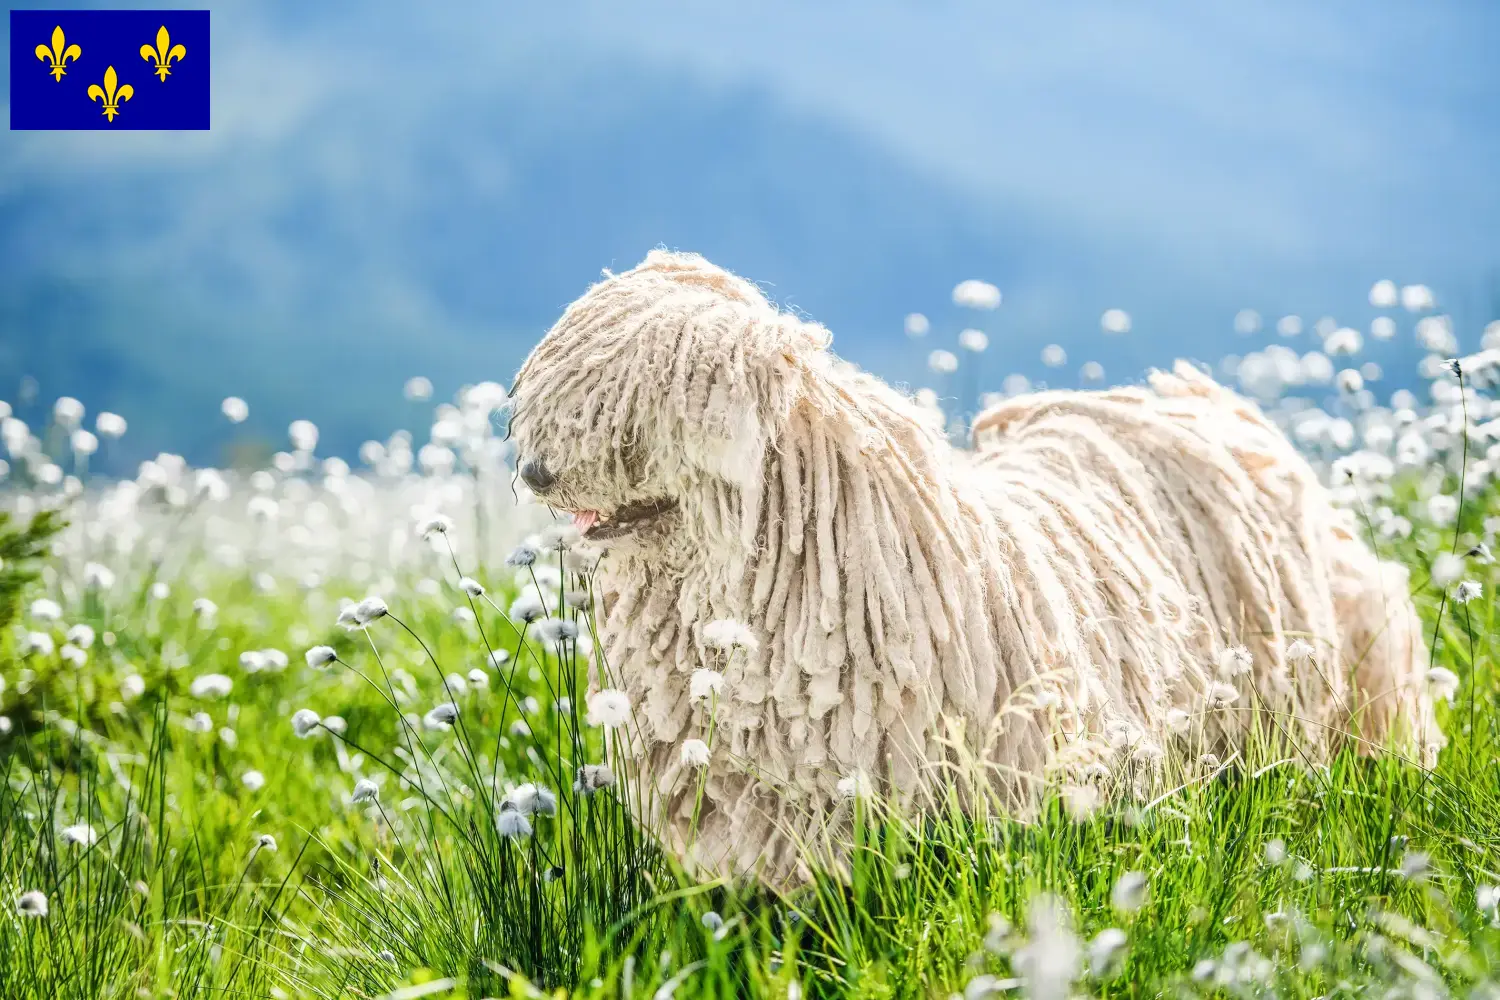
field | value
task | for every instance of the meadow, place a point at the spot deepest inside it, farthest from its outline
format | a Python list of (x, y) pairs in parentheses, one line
[(313, 731)]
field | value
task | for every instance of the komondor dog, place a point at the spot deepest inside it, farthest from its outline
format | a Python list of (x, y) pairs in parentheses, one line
[(1107, 583)]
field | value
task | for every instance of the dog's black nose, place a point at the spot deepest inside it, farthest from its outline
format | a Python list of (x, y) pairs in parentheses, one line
[(534, 473)]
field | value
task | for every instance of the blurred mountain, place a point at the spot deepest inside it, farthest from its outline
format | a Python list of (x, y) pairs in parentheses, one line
[(385, 215)]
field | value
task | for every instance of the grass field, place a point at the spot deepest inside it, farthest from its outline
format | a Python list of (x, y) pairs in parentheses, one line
[(174, 823)]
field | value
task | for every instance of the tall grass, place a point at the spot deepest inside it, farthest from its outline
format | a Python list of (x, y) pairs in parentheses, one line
[(1239, 877)]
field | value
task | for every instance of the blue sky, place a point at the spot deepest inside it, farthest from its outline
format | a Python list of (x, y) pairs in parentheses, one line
[(394, 188)]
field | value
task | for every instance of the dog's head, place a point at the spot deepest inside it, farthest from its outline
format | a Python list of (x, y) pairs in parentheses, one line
[(657, 391)]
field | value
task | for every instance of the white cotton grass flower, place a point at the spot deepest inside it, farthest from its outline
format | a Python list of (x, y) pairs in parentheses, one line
[(235, 409), (1487, 899), (1115, 321), (943, 362), (132, 686), (557, 630), (38, 644), (973, 341), (1446, 569), (1444, 683), (320, 656), (498, 658), (917, 325), (1466, 591), (1384, 294), (527, 608), (1048, 963), (67, 411), (1221, 695), (1246, 322), (436, 524), (210, 686), (1300, 651), (1442, 509), (305, 722), (45, 609), (253, 780), (1417, 298), (705, 684), (511, 822), (79, 835), (365, 790), (591, 778), (205, 609), (83, 442), (1416, 866), (471, 586), (855, 785), (72, 654), (1054, 356), (32, 904), (533, 800), (1130, 892), (726, 634), (695, 753), (441, 717), (976, 294), (609, 708), (1107, 953), (1178, 721), (1235, 661), (478, 679), (110, 425), (81, 635), (264, 842)]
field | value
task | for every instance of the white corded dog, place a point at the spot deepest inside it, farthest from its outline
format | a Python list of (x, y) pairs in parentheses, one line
[(1109, 580)]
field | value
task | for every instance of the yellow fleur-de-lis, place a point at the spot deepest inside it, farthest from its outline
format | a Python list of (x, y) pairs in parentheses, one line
[(109, 94), (59, 54), (163, 54)]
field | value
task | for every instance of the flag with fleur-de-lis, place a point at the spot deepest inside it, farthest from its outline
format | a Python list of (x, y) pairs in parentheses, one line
[(109, 69)]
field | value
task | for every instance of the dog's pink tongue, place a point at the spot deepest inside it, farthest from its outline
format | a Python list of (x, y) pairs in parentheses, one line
[(583, 520)]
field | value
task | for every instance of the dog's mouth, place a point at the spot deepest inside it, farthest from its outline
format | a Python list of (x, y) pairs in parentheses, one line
[(594, 526)]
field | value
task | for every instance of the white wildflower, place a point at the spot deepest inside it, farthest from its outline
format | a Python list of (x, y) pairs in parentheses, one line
[(253, 780), (439, 524), (1275, 851), (695, 753), (1107, 953), (1446, 569), (478, 678), (81, 636), (38, 643), (471, 586), (1221, 694), (1235, 661), (511, 822), (441, 717), (1444, 683), (726, 634), (365, 790), (45, 609), (705, 684), (1129, 893), (1048, 963), (305, 722), (79, 835), (320, 656), (527, 608), (72, 654), (265, 842), (1115, 321), (1300, 651), (132, 686), (532, 800), (110, 425), (592, 777), (235, 408), (1178, 721), (210, 686), (32, 904), (974, 341), (855, 786), (1467, 591), (976, 294), (608, 708)]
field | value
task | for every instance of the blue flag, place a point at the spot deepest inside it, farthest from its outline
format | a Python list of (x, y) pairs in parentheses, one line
[(109, 69)]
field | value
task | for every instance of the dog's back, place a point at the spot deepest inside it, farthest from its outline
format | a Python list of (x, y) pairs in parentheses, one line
[(1184, 497)]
